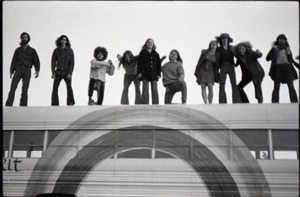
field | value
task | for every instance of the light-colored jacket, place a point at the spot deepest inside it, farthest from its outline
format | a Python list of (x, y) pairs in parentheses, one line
[(100, 68)]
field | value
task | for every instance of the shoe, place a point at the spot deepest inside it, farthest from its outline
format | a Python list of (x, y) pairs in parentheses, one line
[(91, 102)]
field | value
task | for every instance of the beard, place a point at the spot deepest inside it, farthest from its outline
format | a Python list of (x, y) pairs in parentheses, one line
[(23, 42)]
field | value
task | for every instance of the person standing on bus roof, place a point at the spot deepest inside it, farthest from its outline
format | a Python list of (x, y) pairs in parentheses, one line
[(23, 59), (62, 65), (149, 70), (206, 70), (99, 68), (129, 63), (227, 67), (251, 70), (173, 78), (282, 69)]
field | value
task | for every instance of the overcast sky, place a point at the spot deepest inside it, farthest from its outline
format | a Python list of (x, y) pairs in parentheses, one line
[(122, 25)]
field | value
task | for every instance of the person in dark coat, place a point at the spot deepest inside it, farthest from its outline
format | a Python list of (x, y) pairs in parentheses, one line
[(23, 59), (149, 70), (251, 70), (227, 66), (282, 69), (206, 70)]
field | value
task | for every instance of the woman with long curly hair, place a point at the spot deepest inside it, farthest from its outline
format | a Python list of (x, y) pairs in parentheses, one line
[(251, 70)]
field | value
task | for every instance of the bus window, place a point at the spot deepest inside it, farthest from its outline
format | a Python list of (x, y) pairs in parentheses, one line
[(160, 154), (6, 139), (285, 144), (255, 140), (28, 144), (51, 136), (54, 143), (139, 153)]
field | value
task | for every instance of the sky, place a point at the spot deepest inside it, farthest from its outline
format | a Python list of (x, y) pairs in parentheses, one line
[(124, 25)]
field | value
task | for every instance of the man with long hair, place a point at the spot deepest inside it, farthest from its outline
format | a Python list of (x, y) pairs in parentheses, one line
[(227, 65), (62, 65)]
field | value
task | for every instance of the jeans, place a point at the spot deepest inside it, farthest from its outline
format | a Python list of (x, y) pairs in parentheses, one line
[(24, 73), (172, 88), (246, 79), (127, 81), (284, 71), (228, 69), (145, 92), (57, 80), (99, 86)]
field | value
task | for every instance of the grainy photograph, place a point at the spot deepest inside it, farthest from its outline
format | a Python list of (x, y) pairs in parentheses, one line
[(150, 98)]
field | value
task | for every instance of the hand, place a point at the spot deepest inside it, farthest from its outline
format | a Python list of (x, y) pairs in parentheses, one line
[(36, 74), (163, 58), (158, 76), (110, 62), (140, 75), (11, 75), (69, 76)]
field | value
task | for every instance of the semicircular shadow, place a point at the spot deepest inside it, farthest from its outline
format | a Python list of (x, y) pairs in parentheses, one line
[(216, 177), (214, 173)]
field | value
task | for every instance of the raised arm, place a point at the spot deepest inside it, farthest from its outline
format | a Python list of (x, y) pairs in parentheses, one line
[(97, 64)]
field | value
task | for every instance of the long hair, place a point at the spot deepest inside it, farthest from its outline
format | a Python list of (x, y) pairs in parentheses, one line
[(209, 45), (246, 44), (145, 45), (281, 36), (224, 35), (126, 53), (178, 55), (101, 50), (58, 44)]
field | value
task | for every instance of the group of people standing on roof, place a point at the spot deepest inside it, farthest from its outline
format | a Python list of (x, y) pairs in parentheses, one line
[(215, 63)]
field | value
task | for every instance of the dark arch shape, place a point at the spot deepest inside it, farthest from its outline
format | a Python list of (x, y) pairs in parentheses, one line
[(215, 175), (172, 117)]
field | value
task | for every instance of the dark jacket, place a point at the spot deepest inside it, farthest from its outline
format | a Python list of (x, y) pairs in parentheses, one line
[(149, 65), (62, 61), (272, 56), (201, 60), (251, 65), (25, 56), (226, 55)]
